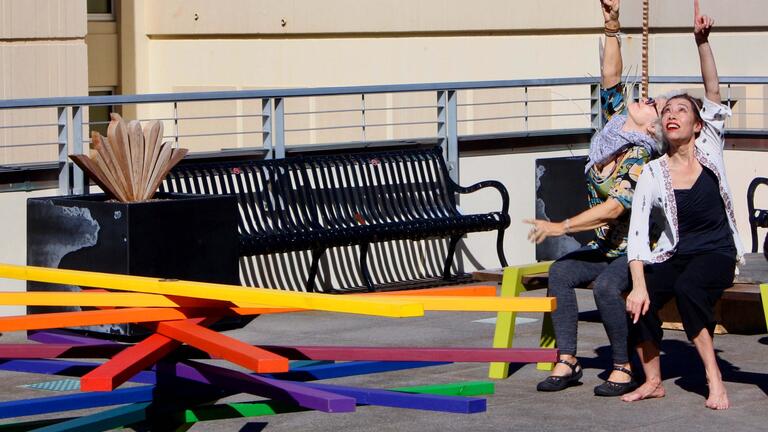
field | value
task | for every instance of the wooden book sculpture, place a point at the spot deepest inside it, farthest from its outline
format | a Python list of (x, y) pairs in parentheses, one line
[(130, 163)]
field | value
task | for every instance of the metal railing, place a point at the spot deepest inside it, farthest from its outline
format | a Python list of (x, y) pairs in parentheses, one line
[(358, 116)]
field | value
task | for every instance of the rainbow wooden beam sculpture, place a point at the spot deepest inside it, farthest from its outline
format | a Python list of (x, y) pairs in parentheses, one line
[(179, 314)]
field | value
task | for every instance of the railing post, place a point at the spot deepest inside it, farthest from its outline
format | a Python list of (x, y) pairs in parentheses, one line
[(63, 141), (635, 92), (176, 124), (266, 126), (595, 113), (442, 131), (453, 136), (362, 108), (447, 122), (279, 131), (79, 179), (525, 107)]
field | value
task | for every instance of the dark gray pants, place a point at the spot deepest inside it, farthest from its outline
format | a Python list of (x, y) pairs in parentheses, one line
[(611, 279)]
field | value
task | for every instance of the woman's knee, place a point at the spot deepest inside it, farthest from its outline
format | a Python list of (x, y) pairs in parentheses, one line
[(561, 275), (685, 290), (609, 288)]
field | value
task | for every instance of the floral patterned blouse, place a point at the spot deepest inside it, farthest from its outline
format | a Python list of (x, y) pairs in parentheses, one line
[(619, 184)]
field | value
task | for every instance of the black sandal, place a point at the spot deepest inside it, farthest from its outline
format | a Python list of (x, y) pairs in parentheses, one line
[(557, 383), (611, 388)]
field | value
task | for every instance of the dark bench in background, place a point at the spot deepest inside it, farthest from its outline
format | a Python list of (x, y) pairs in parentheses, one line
[(313, 203)]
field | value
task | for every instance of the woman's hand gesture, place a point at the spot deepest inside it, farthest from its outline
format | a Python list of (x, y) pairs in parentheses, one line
[(638, 303), (542, 229), (610, 10), (702, 24)]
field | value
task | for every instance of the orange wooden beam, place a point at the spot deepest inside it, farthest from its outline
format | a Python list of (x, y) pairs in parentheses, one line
[(463, 291), (118, 316), (91, 317)]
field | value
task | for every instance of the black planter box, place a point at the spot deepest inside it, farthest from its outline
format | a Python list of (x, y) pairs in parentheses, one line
[(174, 236)]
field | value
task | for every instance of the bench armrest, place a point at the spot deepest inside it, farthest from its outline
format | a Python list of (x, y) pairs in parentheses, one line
[(486, 184)]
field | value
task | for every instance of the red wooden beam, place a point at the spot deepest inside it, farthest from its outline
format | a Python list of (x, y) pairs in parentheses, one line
[(112, 373), (225, 347)]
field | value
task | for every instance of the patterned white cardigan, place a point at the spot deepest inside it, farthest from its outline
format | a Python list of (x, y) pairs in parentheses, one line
[(655, 198)]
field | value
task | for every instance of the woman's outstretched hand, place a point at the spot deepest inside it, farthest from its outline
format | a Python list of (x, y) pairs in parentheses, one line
[(702, 24), (542, 229), (610, 10)]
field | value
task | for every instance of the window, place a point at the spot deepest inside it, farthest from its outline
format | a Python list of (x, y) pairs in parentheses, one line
[(101, 10), (98, 116)]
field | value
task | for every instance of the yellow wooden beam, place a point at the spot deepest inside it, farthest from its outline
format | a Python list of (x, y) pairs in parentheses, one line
[(116, 299), (484, 304), (240, 296)]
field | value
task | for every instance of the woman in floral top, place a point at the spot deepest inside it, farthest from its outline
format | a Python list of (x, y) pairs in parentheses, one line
[(694, 258), (616, 157)]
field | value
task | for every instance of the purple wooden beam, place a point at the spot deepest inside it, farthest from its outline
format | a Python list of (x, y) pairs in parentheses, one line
[(65, 368), (345, 369), (351, 353), (267, 387), (51, 350), (58, 336), (453, 404)]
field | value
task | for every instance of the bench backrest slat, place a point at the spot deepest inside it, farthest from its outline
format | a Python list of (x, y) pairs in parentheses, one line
[(305, 193)]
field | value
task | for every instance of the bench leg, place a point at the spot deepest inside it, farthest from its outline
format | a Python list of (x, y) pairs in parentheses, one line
[(547, 340), (364, 267), (500, 248), (449, 258), (316, 255), (512, 286), (764, 299)]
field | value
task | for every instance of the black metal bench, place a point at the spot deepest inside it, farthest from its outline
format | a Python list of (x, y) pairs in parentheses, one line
[(322, 201), (758, 218)]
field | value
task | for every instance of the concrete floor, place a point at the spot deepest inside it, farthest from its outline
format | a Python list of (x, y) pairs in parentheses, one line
[(516, 405)]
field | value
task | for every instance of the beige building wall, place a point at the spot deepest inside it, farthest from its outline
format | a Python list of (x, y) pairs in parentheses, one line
[(42, 54), (47, 48)]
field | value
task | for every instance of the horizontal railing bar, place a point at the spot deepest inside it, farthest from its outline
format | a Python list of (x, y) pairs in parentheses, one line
[(337, 91), (361, 109), (29, 126), (30, 144), (323, 111), (521, 117), (524, 101), (214, 134), (287, 93), (367, 125), (697, 80), (395, 108)]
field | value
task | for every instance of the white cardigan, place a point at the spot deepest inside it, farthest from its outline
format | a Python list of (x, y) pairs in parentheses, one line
[(654, 196)]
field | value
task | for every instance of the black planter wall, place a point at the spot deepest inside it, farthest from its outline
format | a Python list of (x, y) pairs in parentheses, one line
[(188, 237)]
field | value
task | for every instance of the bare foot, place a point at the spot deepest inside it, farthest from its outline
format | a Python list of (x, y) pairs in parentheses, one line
[(718, 397), (649, 390)]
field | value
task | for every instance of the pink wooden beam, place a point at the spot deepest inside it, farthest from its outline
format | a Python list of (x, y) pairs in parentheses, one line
[(346, 353)]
